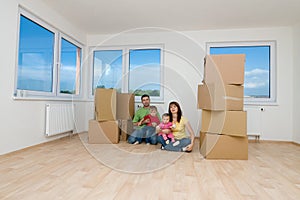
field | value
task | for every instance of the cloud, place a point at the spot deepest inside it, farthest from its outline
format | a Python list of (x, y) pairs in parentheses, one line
[(255, 85), (36, 73), (257, 72), (256, 78)]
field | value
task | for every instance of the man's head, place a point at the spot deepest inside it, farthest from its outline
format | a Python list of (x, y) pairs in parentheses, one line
[(145, 100)]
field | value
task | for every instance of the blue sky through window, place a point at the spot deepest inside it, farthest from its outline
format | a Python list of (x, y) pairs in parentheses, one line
[(35, 61), (257, 68), (68, 60), (108, 68), (144, 66)]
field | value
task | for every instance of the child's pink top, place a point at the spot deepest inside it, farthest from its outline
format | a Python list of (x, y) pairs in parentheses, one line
[(166, 126)]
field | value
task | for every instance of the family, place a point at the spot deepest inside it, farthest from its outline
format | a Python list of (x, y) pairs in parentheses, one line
[(169, 129)]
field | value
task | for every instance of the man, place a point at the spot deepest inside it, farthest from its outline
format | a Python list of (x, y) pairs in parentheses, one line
[(143, 131)]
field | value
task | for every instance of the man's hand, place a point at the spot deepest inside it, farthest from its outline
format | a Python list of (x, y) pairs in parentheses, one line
[(146, 121), (140, 123)]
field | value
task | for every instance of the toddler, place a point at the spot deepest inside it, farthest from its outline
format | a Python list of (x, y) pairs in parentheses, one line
[(153, 118), (166, 124), (152, 121)]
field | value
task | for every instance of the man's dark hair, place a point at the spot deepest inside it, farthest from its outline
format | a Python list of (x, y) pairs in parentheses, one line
[(145, 95)]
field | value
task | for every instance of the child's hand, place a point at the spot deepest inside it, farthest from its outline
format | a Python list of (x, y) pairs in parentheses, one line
[(154, 124), (173, 126), (157, 129)]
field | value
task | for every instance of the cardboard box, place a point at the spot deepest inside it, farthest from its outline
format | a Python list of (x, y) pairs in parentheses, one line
[(226, 69), (104, 132), (215, 146), (232, 123), (105, 104), (125, 106), (126, 128), (220, 97)]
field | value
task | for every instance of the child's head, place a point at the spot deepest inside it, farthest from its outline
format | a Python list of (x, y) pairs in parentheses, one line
[(165, 118), (153, 110)]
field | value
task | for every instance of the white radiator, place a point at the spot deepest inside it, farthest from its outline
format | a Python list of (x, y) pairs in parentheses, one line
[(59, 118)]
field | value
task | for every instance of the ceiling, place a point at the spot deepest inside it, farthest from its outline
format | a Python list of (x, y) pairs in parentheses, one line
[(113, 16)]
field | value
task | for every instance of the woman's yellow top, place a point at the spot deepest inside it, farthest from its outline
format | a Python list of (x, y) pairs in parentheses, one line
[(179, 130)]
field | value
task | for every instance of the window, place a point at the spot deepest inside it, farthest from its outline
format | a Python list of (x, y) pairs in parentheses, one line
[(36, 57), (107, 69), (259, 85), (144, 72), (136, 70), (49, 62), (70, 61)]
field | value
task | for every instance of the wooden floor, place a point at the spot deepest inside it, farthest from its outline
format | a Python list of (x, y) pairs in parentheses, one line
[(70, 168)]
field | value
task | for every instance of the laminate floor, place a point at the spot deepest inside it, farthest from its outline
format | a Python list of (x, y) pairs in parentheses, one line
[(70, 168)]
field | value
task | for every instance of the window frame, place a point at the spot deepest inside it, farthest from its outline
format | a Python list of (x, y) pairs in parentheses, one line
[(272, 100), (77, 44), (58, 35), (125, 67)]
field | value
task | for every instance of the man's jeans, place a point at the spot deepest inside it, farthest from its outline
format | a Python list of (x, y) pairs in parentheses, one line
[(147, 132)]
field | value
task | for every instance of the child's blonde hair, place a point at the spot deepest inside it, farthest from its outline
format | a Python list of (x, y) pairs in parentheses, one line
[(153, 108)]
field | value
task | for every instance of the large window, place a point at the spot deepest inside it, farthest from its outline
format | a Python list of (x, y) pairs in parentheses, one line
[(136, 70), (107, 69), (49, 62), (259, 86)]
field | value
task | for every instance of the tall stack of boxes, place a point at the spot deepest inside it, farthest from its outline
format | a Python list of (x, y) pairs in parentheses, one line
[(223, 133), (112, 110)]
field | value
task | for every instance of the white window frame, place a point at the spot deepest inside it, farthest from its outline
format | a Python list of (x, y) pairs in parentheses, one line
[(272, 73), (55, 94), (125, 67), (69, 39)]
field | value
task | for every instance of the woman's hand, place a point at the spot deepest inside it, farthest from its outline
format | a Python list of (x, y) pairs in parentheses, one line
[(190, 147), (192, 136)]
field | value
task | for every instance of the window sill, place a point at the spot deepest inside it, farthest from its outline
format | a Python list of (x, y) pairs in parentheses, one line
[(260, 103), (39, 98)]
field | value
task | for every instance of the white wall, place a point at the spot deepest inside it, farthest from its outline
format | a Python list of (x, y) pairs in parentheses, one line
[(22, 122), (296, 84), (184, 68)]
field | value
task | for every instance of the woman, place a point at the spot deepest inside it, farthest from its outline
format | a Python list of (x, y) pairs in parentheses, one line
[(183, 141)]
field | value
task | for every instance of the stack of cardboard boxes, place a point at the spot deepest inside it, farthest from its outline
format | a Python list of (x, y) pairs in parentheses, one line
[(112, 110), (125, 113), (224, 123)]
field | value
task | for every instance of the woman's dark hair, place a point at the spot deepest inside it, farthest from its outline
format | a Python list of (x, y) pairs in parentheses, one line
[(179, 113)]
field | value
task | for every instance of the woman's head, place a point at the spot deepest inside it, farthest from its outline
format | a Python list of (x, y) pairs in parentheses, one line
[(174, 108)]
